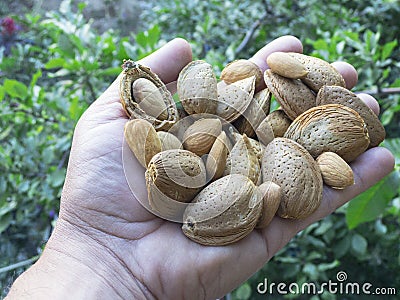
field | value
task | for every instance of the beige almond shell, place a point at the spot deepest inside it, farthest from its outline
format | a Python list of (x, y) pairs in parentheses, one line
[(265, 132), (257, 147), (174, 175), (279, 121), (341, 95), (286, 65), (320, 72), (255, 113), (293, 95), (216, 159), (224, 212), (335, 171), (271, 195), (233, 99), (241, 69), (133, 71), (274, 125), (142, 139), (243, 160), (201, 135), (169, 141), (330, 128), (197, 88), (287, 164)]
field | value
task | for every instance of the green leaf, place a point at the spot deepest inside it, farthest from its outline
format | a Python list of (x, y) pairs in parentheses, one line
[(342, 247), (2, 93), (15, 88), (141, 39), (153, 36), (359, 244), (55, 63), (57, 177), (323, 227), (394, 146), (65, 46), (387, 117), (5, 221), (5, 132), (311, 270), (34, 79), (327, 266), (370, 204), (7, 207), (388, 49), (112, 71), (243, 292)]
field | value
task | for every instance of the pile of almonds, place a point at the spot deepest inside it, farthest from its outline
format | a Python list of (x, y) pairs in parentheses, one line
[(220, 162)]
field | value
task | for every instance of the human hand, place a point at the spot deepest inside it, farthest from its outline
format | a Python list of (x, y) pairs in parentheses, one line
[(107, 245)]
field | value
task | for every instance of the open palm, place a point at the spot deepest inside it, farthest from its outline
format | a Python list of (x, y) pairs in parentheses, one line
[(135, 254)]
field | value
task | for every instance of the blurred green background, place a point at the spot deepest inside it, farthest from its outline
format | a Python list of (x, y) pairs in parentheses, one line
[(53, 65)]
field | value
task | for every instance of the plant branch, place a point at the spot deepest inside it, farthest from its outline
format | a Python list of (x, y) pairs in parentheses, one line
[(19, 264), (382, 91), (250, 33)]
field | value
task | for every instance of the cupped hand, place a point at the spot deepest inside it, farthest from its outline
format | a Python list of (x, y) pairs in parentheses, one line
[(136, 254)]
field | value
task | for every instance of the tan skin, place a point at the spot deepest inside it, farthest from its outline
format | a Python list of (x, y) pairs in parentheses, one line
[(106, 245)]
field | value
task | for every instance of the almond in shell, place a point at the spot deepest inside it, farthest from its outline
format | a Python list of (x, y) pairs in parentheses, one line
[(255, 113), (243, 160), (197, 88), (216, 159), (286, 65), (201, 135), (293, 95), (335, 171), (142, 139), (341, 95), (174, 177), (320, 72), (241, 69), (224, 212), (290, 166), (270, 194), (169, 141), (233, 99), (330, 128)]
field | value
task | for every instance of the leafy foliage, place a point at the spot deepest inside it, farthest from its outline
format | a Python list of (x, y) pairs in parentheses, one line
[(52, 68)]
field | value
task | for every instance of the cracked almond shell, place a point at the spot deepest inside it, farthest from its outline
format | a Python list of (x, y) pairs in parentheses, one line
[(133, 71)]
